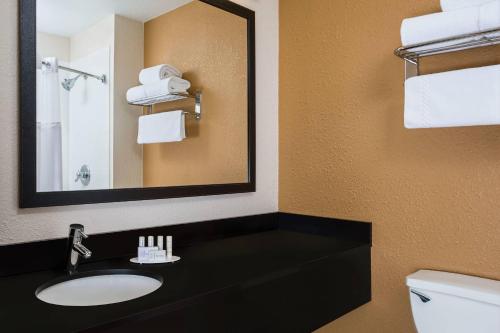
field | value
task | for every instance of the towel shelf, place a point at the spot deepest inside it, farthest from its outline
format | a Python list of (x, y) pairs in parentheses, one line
[(151, 102), (412, 53)]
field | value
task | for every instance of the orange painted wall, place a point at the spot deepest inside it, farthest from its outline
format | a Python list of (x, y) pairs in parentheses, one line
[(432, 195), (210, 46)]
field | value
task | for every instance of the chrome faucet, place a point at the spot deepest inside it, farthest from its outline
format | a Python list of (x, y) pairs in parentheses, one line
[(76, 248)]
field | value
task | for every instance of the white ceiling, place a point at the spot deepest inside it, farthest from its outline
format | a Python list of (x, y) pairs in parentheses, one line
[(67, 17)]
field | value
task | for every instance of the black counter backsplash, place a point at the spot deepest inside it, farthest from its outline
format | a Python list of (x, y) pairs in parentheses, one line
[(50, 254)]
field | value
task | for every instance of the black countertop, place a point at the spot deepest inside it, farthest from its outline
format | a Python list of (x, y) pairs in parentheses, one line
[(205, 268)]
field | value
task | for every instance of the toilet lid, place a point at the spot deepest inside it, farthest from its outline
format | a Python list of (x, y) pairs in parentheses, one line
[(472, 287)]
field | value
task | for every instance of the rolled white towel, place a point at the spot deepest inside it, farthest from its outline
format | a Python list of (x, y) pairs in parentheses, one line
[(449, 5), (467, 97), (448, 24), (156, 73), (171, 85)]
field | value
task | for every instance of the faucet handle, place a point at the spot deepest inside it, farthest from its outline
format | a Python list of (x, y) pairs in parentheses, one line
[(78, 230), (76, 226)]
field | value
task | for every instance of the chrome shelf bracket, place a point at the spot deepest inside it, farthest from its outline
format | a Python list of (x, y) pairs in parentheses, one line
[(411, 68)]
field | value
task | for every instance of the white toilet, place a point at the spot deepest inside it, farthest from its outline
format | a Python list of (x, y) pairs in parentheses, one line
[(453, 303)]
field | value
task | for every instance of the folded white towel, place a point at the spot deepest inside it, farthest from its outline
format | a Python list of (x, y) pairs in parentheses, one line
[(468, 97), (156, 73), (447, 24), (449, 5), (161, 127), (171, 85)]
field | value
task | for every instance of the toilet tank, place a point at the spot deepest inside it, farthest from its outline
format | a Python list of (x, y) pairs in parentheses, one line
[(453, 303)]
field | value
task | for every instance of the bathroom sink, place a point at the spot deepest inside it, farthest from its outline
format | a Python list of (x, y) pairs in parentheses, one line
[(98, 288)]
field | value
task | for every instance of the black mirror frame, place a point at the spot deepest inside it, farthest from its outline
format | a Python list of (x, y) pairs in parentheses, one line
[(29, 197)]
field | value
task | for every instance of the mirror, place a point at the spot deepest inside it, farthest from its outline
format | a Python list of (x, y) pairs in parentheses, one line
[(132, 100)]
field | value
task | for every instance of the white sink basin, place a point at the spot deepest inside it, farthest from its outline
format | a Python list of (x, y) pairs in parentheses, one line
[(98, 288)]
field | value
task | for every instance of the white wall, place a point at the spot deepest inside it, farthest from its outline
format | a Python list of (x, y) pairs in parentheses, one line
[(44, 223), (98, 36), (48, 45)]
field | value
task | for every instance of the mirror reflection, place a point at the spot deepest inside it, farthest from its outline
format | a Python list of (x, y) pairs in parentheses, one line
[(133, 94)]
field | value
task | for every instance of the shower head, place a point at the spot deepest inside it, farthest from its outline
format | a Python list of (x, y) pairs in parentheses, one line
[(68, 84)]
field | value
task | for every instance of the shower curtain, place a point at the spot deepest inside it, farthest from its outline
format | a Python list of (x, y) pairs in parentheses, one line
[(48, 128)]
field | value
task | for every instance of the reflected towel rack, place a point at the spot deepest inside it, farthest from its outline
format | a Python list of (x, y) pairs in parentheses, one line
[(412, 53), (151, 102)]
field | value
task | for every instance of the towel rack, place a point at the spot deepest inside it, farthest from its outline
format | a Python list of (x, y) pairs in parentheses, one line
[(412, 53), (151, 102)]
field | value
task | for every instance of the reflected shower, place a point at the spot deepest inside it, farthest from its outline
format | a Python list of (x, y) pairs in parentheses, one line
[(68, 84)]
